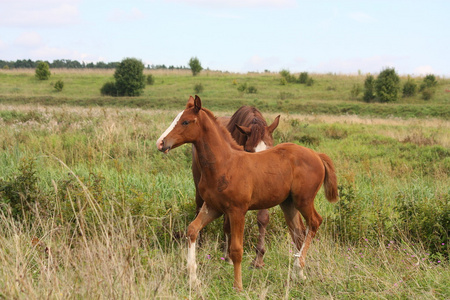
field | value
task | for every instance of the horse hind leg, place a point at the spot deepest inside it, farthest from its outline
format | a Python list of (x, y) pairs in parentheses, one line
[(298, 232), (313, 221), (263, 220)]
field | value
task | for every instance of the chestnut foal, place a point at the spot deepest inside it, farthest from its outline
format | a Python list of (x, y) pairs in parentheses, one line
[(233, 182), (249, 129)]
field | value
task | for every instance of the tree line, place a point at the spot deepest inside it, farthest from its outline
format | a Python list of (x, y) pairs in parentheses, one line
[(74, 64)]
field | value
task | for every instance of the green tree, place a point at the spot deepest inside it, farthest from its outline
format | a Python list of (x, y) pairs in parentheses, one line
[(42, 71), (195, 66), (130, 78), (369, 88), (387, 85)]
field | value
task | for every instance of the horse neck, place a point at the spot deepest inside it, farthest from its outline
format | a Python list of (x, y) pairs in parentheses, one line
[(213, 146)]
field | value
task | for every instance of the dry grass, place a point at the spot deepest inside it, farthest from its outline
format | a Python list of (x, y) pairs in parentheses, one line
[(126, 255)]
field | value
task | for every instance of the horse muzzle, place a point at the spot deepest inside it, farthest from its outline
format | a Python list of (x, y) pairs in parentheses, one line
[(162, 146)]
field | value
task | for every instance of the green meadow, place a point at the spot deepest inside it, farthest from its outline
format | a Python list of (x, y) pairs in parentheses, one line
[(90, 209)]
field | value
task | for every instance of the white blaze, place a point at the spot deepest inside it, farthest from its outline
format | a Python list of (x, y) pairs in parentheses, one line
[(261, 147), (168, 130)]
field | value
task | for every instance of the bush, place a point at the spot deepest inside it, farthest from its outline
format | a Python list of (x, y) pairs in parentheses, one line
[(59, 85), (130, 79), (42, 71), (409, 88), (198, 88), (309, 81), (428, 82), (303, 78), (369, 88), (427, 88), (387, 85), (242, 87), (427, 93), (150, 79), (355, 91), (109, 89), (426, 218), (286, 75), (251, 89), (195, 66)]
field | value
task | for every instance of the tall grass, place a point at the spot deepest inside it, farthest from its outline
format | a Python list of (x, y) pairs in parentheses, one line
[(89, 209)]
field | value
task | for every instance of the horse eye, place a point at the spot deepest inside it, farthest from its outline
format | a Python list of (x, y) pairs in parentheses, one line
[(185, 123)]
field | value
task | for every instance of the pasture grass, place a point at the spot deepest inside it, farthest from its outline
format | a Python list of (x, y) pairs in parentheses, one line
[(90, 209), (331, 93)]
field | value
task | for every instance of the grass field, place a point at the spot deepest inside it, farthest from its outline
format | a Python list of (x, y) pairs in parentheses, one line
[(90, 209)]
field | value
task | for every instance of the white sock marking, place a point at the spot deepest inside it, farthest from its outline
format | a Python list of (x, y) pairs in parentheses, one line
[(168, 130)]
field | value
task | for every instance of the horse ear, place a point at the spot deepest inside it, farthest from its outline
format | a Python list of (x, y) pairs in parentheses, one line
[(197, 104), (190, 102), (243, 129), (274, 125)]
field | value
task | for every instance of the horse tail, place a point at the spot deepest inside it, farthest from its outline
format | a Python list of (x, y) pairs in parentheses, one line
[(330, 181)]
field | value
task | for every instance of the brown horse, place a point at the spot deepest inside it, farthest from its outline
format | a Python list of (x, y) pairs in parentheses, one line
[(233, 182), (249, 129)]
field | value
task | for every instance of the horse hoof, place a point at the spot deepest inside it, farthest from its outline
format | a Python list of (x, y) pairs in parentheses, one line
[(255, 265)]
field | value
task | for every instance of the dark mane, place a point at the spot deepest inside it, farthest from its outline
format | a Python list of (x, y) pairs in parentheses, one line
[(248, 116), (225, 133)]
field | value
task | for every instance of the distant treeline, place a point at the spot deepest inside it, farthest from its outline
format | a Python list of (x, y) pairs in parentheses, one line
[(73, 64)]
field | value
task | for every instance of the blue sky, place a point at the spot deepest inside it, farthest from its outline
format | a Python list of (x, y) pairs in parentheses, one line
[(235, 35)]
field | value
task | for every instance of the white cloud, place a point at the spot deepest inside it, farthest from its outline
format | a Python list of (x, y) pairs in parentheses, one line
[(124, 16), (240, 3), (39, 13), (374, 64), (361, 17), (424, 70), (52, 53), (258, 63), (28, 40), (3, 45)]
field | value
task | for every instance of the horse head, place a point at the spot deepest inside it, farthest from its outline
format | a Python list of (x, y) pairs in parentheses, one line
[(184, 128), (259, 136)]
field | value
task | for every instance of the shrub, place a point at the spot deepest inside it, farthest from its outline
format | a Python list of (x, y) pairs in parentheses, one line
[(283, 81), (150, 79), (428, 82), (242, 87), (369, 87), (426, 217), (287, 76), (355, 91), (42, 71), (198, 88), (309, 81), (427, 93), (409, 88), (427, 88), (303, 78), (251, 89), (195, 66), (387, 85), (21, 192), (109, 89), (130, 79), (59, 85)]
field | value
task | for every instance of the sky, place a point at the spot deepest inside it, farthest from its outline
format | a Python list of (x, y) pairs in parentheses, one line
[(342, 37)]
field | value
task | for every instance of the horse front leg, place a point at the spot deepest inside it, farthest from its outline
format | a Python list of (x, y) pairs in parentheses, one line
[(205, 216), (237, 222), (263, 220)]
